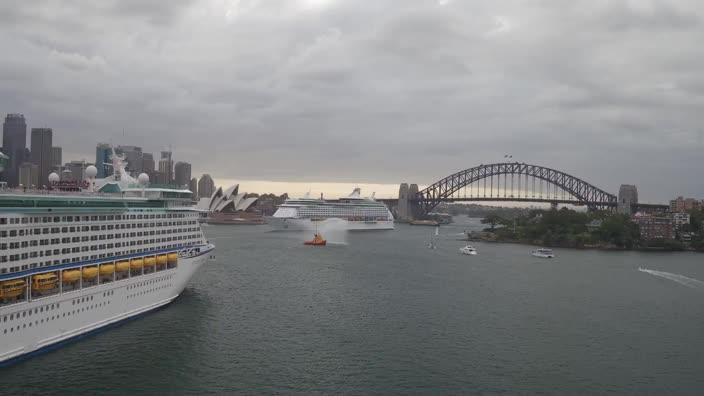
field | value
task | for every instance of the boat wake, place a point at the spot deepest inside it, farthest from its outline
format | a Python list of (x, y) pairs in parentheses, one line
[(681, 279)]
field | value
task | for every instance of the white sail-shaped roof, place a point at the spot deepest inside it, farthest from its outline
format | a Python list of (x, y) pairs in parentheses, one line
[(246, 203), (230, 199)]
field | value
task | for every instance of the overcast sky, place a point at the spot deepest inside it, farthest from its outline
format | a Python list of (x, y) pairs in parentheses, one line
[(374, 91)]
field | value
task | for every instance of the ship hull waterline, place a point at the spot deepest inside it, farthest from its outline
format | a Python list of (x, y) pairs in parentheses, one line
[(80, 313), (303, 224)]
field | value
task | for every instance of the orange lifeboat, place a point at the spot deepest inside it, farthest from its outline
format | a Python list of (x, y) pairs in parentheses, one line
[(149, 261), (12, 288), (316, 241), (136, 264), (122, 266)]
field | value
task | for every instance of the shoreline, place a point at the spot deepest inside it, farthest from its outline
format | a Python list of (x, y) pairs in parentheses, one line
[(611, 248)]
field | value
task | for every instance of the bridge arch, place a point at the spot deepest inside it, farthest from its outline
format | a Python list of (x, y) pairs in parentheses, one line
[(580, 191)]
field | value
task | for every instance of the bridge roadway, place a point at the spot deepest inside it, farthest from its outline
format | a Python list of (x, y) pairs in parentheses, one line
[(394, 201)]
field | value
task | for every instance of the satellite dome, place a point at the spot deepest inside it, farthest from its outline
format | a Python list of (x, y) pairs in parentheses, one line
[(91, 172), (143, 179), (53, 177)]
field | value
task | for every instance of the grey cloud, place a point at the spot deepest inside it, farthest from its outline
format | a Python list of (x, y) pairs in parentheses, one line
[(381, 91)]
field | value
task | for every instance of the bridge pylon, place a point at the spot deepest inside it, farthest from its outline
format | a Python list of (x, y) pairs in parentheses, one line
[(408, 207)]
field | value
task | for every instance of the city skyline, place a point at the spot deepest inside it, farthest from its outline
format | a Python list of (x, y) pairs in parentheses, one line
[(384, 93), (294, 188)]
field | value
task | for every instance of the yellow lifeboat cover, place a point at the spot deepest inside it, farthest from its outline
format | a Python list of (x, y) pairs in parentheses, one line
[(107, 269), (71, 275), (12, 288), (161, 259), (90, 272), (122, 266), (149, 261), (172, 257), (44, 281), (47, 277), (136, 263)]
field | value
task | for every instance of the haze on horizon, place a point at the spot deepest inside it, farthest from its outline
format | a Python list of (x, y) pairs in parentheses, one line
[(382, 92)]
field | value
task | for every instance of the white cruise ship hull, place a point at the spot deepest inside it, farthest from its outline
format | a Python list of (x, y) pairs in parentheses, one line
[(302, 224), (46, 323)]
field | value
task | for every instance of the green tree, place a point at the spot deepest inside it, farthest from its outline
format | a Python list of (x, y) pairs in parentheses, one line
[(492, 219)]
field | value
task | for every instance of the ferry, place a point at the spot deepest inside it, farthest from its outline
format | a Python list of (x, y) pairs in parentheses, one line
[(353, 212), (75, 262), (543, 253)]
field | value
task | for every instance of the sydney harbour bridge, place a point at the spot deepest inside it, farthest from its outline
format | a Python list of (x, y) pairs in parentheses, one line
[(512, 182)]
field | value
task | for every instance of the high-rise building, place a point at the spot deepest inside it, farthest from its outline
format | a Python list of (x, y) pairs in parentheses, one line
[(681, 204), (75, 170), (29, 175), (41, 153), (166, 166), (14, 144), (653, 227), (103, 152), (182, 173), (193, 186), (159, 178), (134, 157), (56, 159), (148, 164), (206, 186)]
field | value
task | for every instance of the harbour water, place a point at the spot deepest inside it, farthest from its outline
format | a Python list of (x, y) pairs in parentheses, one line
[(378, 312)]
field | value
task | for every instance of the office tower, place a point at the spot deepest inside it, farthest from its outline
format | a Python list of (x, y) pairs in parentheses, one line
[(29, 175), (56, 160), (206, 186), (148, 164), (14, 144), (166, 166), (103, 154), (40, 154), (134, 157), (193, 186), (182, 173)]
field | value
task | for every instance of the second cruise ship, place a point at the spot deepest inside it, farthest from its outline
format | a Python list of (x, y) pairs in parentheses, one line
[(353, 212)]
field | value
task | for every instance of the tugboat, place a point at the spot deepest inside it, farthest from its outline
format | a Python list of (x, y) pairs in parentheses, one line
[(316, 241)]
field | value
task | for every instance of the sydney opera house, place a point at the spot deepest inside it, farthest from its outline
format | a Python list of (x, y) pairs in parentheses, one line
[(230, 207)]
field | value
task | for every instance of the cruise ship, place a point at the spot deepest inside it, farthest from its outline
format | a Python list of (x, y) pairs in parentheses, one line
[(75, 262), (352, 212)]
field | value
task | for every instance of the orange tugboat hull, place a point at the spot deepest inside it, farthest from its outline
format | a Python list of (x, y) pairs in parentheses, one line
[(315, 243)]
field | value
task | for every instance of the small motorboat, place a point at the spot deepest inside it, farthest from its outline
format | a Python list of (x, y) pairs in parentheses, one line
[(316, 241), (468, 250), (543, 253)]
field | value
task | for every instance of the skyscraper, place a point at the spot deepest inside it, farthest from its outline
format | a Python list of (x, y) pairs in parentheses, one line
[(206, 186), (14, 143), (29, 175), (75, 170), (103, 152), (166, 166), (193, 186), (148, 164), (133, 156), (56, 159), (41, 153), (182, 173)]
